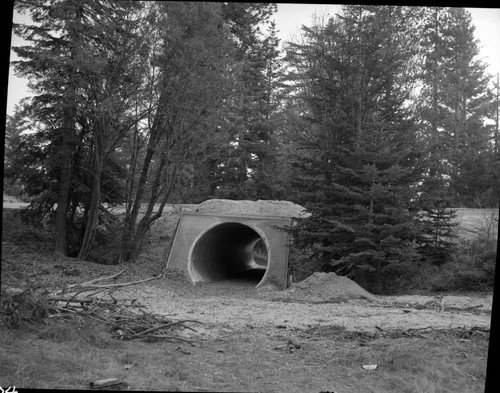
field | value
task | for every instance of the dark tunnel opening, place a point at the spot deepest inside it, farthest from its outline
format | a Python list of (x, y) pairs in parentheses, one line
[(230, 251)]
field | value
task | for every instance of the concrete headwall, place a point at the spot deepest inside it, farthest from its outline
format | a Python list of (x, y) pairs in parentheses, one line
[(213, 247)]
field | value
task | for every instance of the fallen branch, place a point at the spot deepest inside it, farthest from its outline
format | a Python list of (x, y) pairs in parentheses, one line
[(87, 283), (165, 336), (166, 325), (68, 300), (84, 285)]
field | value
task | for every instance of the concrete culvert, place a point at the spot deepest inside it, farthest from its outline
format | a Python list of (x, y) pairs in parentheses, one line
[(229, 251), (252, 249)]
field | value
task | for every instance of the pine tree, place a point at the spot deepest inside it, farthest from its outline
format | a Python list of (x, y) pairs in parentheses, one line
[(455, 100), (76, 64), (245, 170), (14, 127), (357, 172), (454, 105), (50, 66)]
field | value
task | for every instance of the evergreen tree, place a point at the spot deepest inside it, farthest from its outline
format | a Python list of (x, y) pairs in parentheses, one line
[(14, 127), (78, 62), (455, 102), (436, 240), (358, 171), (50, 66), (245, 170), (453, 108)]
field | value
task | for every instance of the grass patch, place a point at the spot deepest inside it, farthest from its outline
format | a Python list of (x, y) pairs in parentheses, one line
[(68, 356)]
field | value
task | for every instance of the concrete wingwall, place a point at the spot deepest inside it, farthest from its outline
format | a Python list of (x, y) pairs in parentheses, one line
[(215, 247)]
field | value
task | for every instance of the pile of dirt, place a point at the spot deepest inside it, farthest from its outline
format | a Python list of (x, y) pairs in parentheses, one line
[(324, 288), (250, 208)]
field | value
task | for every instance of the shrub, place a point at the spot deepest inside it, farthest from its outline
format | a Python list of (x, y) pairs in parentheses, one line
[(471, 268), (472, 262), (475, 261)]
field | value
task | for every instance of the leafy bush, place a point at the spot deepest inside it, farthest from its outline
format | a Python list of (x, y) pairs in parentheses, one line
[(475, 262)]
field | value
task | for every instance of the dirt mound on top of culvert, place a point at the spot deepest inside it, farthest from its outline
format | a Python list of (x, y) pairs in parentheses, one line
[(324, 288), (250, 208)]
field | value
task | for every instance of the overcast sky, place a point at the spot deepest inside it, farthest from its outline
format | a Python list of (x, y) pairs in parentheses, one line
[(289, 19)]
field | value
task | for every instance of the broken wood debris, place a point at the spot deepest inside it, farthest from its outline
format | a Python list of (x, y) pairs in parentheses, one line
[(126, 318), (130, 326)]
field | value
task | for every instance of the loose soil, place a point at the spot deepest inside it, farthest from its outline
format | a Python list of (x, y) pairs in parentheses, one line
[(237, 306)]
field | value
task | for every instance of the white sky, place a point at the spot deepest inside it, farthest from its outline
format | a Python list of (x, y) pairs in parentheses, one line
[(289, 19)]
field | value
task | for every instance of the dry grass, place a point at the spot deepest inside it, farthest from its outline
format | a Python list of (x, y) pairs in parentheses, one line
[(70, 356)]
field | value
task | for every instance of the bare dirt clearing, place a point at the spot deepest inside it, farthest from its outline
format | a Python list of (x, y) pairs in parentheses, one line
[(231, 305)]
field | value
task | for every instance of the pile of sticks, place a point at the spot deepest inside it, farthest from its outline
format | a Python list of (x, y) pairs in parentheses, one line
[(126, 318), (130, 326)]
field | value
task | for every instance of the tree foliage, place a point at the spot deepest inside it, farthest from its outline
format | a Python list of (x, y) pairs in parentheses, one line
[(454, 104), (356, 75)]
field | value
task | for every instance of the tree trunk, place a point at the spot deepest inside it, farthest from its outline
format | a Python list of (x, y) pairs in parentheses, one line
[(131, 219), (128, 231), (67, 147), (148, 218), (66, 153), (93, 214)]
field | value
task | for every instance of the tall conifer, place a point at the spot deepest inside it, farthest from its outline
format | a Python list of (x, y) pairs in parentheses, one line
[(355, 75)]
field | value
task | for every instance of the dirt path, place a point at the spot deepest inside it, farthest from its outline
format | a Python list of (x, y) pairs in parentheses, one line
[(225, 306)]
